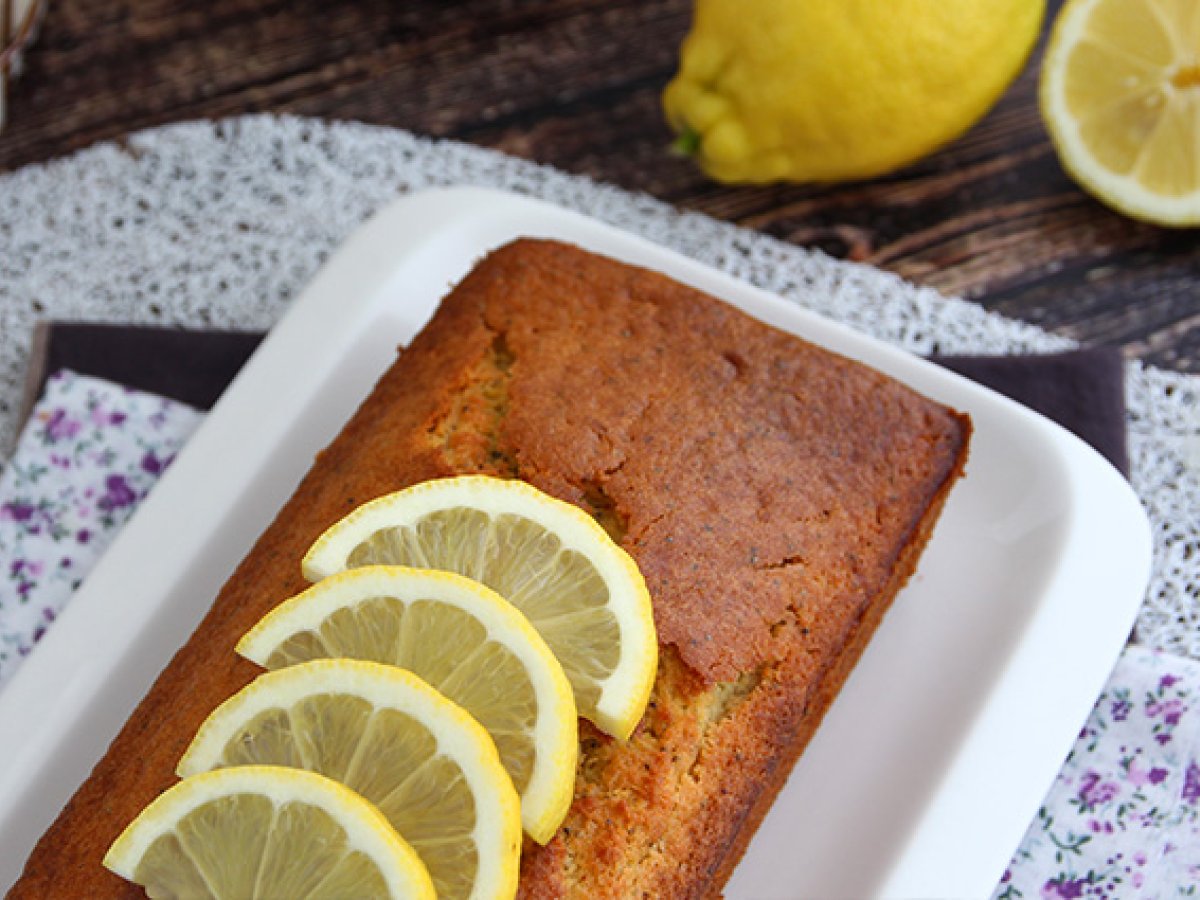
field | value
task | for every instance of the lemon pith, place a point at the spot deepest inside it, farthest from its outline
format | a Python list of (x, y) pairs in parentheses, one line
[(829, 90), (231, 833), (462, 638), (581, 591), (426, 764), (1120, 95)]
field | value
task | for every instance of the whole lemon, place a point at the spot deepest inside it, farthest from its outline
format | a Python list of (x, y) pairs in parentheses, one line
[(832, 90)]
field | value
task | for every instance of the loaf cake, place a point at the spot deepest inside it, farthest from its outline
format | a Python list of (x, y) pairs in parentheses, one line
[(775, 495)]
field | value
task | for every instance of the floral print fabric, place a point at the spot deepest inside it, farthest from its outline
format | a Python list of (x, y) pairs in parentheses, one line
[(1123, 817), (89, 452)]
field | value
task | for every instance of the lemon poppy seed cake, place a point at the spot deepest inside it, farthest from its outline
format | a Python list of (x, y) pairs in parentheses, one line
[(774, 495)]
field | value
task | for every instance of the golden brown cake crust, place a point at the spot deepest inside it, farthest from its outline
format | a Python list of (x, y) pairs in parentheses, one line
[(774, 495)]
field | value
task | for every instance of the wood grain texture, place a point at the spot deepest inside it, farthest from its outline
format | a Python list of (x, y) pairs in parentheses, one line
[(576, 84)]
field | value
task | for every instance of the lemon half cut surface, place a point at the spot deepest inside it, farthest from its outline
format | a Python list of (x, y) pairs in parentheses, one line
[(550, 559), (463, 639), (429, 768), (1120, 94), (266, 832)]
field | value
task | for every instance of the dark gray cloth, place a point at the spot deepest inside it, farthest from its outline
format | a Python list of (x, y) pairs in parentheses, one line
[(1083, 390)]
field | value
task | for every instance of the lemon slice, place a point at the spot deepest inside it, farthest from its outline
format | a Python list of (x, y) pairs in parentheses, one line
[(550, 559), (1120, 93), (425, 763), (266, 831), (462, 638)]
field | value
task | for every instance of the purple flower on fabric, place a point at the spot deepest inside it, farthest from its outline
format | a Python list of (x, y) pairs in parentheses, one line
[(117, 493), (1141, 777), (61, 427), (1172, 710), (1063, 888), (152, 464), (83, 535), (16, 511), (1167, 681), (1191, 783), (116, 418), (1121, 710), (1094, 791)]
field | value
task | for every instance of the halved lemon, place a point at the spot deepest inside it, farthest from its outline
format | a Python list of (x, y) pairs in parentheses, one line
[(424, 762), (467, 642), (262, 832), (1120, 93), (551, 560)]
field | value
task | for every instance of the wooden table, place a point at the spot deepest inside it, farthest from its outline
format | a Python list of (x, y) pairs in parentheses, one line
[(576, 84)]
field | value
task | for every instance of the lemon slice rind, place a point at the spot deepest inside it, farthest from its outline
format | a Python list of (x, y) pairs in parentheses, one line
[(550, 789), (366, 830), (626, 690)]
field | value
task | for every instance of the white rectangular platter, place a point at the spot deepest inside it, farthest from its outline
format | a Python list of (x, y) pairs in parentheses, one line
[(928, 767)]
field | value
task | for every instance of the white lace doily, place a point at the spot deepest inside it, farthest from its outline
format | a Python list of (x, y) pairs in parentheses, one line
[(221, 224)]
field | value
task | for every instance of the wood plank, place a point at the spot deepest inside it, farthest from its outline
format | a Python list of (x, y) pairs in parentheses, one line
[(576, 84)]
